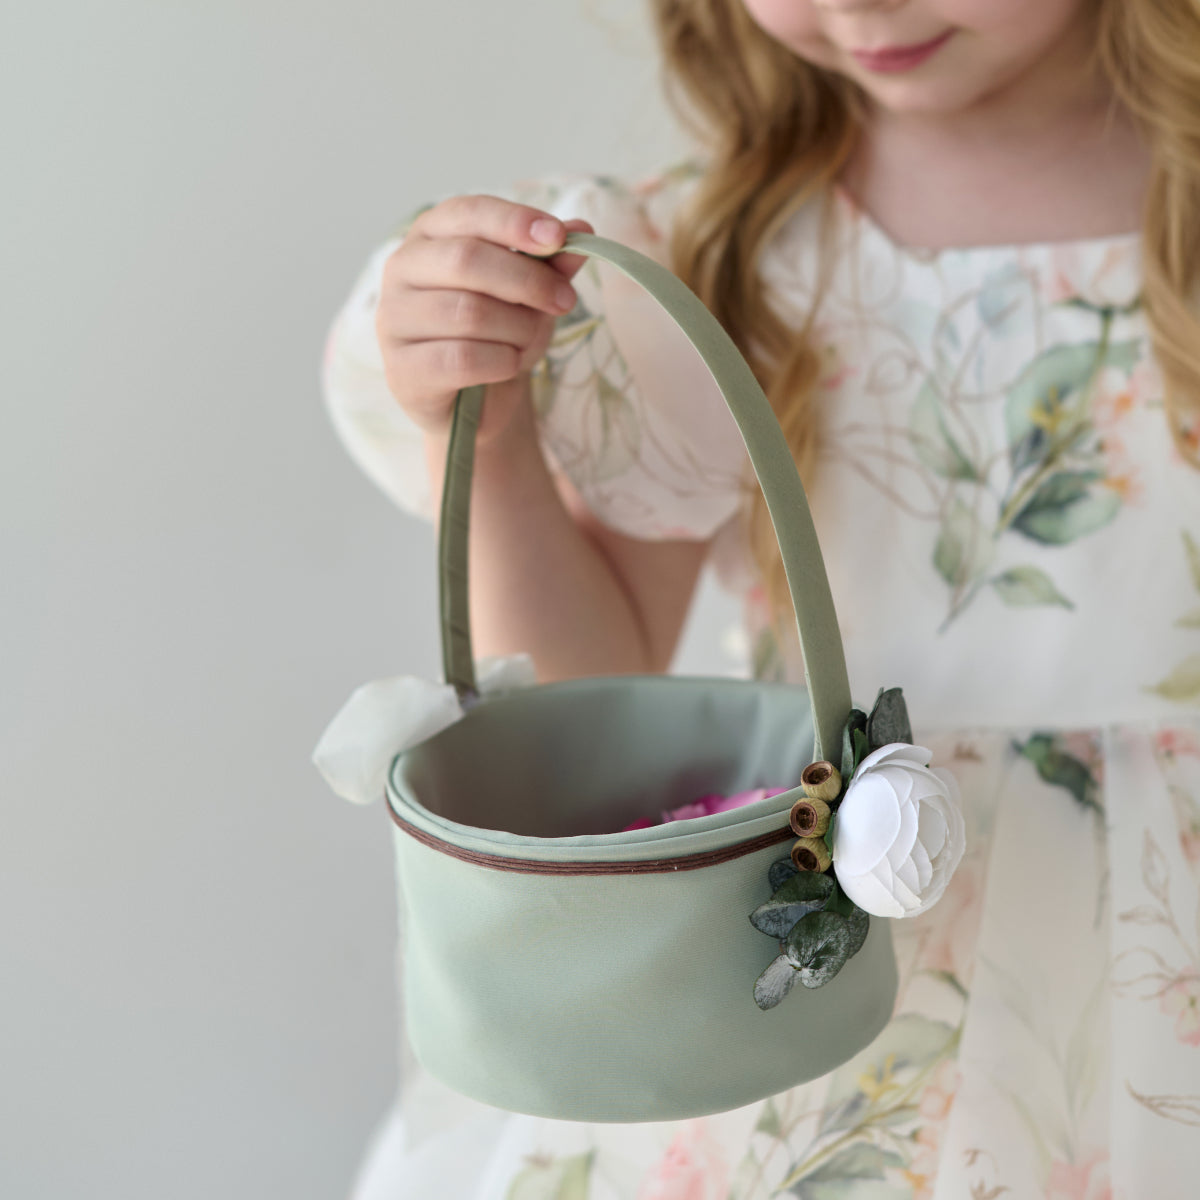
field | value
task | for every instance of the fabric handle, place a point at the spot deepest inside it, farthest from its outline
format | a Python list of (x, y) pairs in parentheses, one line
[(816, 620)]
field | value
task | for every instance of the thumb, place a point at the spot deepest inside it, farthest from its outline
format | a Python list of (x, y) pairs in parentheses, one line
[(568, 264)]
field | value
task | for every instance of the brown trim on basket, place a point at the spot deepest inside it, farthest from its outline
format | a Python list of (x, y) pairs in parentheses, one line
[(645, 866)]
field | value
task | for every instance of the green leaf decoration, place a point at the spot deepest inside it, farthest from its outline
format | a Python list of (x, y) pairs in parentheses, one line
[(553, 1179), (805, 886), (775, 982), (819, 947), (932, 440), (1065, 507), (780, 872), (1024, 587), (856, 1172), (776, 920), (1060, 769), (889, 721), (1189, 620), (1183, 684), (859, 920), (1193, 556), (1040, 408), (857, 720), (964, 548), (862, 747)]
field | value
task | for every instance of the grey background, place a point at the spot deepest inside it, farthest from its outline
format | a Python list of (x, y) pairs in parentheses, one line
[(195, 936)]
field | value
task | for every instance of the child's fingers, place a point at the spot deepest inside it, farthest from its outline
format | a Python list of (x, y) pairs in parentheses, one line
[(420, 316), (488, 217), (568, 264), (471, 264), (445, 365)]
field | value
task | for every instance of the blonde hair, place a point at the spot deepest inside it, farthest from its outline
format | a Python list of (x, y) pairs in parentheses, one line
[(778, 132)]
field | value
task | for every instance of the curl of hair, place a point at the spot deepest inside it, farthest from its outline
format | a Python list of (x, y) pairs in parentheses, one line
[(777, 133)]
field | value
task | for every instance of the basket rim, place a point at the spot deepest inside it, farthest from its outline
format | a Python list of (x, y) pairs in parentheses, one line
[(727, 835)]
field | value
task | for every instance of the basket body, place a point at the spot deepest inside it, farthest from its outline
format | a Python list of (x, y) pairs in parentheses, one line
[(557, 968)]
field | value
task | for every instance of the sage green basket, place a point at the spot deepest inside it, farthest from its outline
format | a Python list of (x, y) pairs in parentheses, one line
[(554, 967)]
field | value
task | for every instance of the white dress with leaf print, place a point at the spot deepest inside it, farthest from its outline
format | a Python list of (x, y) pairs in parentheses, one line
[(1011, 537)]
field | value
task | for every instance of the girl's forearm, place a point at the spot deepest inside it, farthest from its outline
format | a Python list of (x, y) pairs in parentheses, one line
[(539, 583)]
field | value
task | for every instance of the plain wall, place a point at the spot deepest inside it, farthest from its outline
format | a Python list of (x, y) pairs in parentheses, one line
[(195, 935)]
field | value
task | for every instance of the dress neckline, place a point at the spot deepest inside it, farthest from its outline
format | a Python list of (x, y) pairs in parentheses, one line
[(932, 255)]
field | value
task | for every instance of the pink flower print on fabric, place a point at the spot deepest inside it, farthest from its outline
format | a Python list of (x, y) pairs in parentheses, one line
[(1117, 396), (1177, 743), (1181, 1000), (952, 926), (934, 1106), (1110, 278), (693, 1168), (1089, 1180)]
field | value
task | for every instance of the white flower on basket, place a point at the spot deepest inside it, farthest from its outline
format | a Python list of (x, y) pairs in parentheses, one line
[(899, 833)]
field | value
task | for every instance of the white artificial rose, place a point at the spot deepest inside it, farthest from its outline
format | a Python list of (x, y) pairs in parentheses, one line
[(899, 832)]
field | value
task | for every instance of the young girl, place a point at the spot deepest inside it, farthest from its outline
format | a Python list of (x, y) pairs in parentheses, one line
[(959, 241)]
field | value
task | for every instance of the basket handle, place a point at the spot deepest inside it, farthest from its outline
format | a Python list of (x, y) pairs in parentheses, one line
[(816, 620)]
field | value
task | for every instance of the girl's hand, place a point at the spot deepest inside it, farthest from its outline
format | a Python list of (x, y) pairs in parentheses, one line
[(459, 306)]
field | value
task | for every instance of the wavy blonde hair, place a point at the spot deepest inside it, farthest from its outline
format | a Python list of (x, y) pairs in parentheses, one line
[(778, 132)]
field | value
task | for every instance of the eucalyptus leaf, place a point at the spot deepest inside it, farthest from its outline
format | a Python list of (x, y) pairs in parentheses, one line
[(819, 947), (775, 982), (781, 870), (862, 747), (858, 919), (1024, 587), (856, 720), (889, 721), (804, 895), (803, 887), (1190, 620)]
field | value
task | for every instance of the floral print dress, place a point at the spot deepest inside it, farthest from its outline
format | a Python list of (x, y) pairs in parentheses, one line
[(1011, 536)]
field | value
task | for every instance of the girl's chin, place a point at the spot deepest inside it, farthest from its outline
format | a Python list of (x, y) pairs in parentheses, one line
[(913, 96)]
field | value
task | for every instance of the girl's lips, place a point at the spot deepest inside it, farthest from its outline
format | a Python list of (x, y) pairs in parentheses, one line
[(900, 58)]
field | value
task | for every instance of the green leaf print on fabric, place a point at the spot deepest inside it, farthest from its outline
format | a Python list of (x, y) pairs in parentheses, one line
[(857, 1172), (553, 1179), (1047, 408), (1182, 685), (1023, 587), (964, 550), (881, 1078), (1058, 766), (1065, 507), (935, 445), (615, 433)]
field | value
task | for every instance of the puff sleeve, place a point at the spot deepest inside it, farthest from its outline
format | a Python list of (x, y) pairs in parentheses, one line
[(624, 406)]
